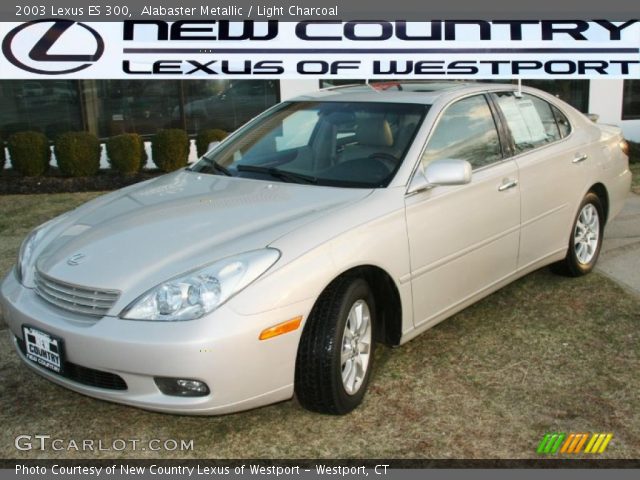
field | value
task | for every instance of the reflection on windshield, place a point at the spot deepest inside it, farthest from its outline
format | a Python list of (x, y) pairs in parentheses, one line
[(349, 144)]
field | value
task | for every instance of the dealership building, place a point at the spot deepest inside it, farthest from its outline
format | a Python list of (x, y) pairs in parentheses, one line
[(111, 107)]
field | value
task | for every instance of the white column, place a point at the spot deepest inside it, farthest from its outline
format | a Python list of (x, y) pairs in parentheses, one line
[(293, 88), (605, 99)]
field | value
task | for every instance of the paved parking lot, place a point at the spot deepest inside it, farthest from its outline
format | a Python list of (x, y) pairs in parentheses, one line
[(620, 258)]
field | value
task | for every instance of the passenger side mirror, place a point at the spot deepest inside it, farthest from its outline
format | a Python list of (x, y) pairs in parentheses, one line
[(441, 172)]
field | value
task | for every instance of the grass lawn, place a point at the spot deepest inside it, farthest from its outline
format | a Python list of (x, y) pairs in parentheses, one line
[(20, 213), (545, 354)]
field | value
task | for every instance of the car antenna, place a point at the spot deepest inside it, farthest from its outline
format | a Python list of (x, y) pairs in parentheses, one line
[(519, 91), (371, 86)]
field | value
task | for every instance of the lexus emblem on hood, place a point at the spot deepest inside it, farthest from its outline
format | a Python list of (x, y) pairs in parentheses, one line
[(76, 259)]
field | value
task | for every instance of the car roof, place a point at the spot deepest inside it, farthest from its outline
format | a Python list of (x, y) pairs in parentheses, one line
[(421, 92)]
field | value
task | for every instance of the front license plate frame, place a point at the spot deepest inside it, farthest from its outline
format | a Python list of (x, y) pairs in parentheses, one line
[(43, 349)]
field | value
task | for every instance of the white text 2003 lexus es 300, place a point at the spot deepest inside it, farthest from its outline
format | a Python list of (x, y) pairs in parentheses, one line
[(331, 222)]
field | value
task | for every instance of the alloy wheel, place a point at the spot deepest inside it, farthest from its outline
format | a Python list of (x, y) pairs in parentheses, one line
[(356, 347), (587, 234)]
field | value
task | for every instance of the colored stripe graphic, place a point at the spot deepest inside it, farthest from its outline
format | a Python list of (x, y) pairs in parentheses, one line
[(568, 442), (606, 442), (581, 443), (594, 437), (598, 443), (543, 443), (550, 443), (573, 443)]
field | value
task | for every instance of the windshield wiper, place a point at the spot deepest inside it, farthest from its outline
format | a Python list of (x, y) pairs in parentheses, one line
[(277, 173), (218, 167)]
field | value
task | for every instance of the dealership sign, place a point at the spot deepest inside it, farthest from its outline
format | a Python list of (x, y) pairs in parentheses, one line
[(557, 49), (34, 55)]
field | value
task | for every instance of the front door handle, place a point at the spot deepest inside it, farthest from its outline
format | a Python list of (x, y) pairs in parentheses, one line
[(507, 184), (580, 157)]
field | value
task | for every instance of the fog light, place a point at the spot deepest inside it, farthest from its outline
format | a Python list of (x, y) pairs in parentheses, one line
[(182, 387)]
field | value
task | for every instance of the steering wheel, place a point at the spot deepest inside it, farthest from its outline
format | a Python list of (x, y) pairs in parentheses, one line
[(390, 161)]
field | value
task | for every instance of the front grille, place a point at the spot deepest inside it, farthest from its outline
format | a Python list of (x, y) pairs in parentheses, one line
[(84, 300), (84, 375)]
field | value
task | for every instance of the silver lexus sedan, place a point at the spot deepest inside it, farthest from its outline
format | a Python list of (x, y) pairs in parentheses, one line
[(329, 223)]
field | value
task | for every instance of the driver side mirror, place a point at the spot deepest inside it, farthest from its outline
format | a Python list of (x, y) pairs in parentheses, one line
[(441, 172)]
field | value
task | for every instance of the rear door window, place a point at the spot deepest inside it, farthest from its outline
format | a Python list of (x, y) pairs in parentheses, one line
[(530, 120)]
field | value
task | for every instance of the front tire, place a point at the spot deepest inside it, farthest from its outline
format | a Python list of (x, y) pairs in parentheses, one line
[(586, 238), (335, 355)]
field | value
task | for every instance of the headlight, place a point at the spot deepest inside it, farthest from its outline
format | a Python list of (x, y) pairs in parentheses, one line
[(25, 257), (197, 293), (28, 247)]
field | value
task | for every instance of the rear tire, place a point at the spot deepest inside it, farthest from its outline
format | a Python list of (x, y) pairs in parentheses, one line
[(335, 355), (586, 239)]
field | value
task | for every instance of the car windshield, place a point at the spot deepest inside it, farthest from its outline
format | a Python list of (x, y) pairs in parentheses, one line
[(345, 144)]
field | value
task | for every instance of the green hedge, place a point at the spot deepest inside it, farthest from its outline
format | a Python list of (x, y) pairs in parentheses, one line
[(205, 137), (170, 149), (30, 153), (126, 153), (78, 154), (634, 152)]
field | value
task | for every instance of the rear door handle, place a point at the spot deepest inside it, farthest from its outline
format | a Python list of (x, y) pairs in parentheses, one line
[(580, 157), (507, 184)]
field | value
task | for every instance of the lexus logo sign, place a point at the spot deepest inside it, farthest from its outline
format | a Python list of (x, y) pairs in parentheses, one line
[(53, 47)]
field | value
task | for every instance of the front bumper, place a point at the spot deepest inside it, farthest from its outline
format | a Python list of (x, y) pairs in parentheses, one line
[(221, 350)]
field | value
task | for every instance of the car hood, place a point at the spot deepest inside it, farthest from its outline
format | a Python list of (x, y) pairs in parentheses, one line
[(140, 236)]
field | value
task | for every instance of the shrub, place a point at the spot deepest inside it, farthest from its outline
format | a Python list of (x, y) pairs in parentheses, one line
[(78, 154), (170, 149), (126, 153), (53, 130), (30, 153), (634, 152), (205, 137)]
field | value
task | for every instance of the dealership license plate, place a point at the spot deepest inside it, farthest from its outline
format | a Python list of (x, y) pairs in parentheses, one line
[(43, 348)]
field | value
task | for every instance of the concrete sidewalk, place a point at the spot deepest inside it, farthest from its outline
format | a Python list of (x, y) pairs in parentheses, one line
[(620, 256)]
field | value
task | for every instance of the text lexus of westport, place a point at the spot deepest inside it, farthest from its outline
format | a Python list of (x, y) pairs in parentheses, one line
[(329, 223)]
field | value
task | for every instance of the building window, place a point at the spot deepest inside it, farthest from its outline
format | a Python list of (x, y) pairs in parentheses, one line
[(146, 106), (574, 92), (631, 100), (132, 106), (48, 106), (226, 104), (112, 107)]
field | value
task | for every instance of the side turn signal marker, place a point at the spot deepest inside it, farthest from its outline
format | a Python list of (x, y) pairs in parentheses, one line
[(281, 328)]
